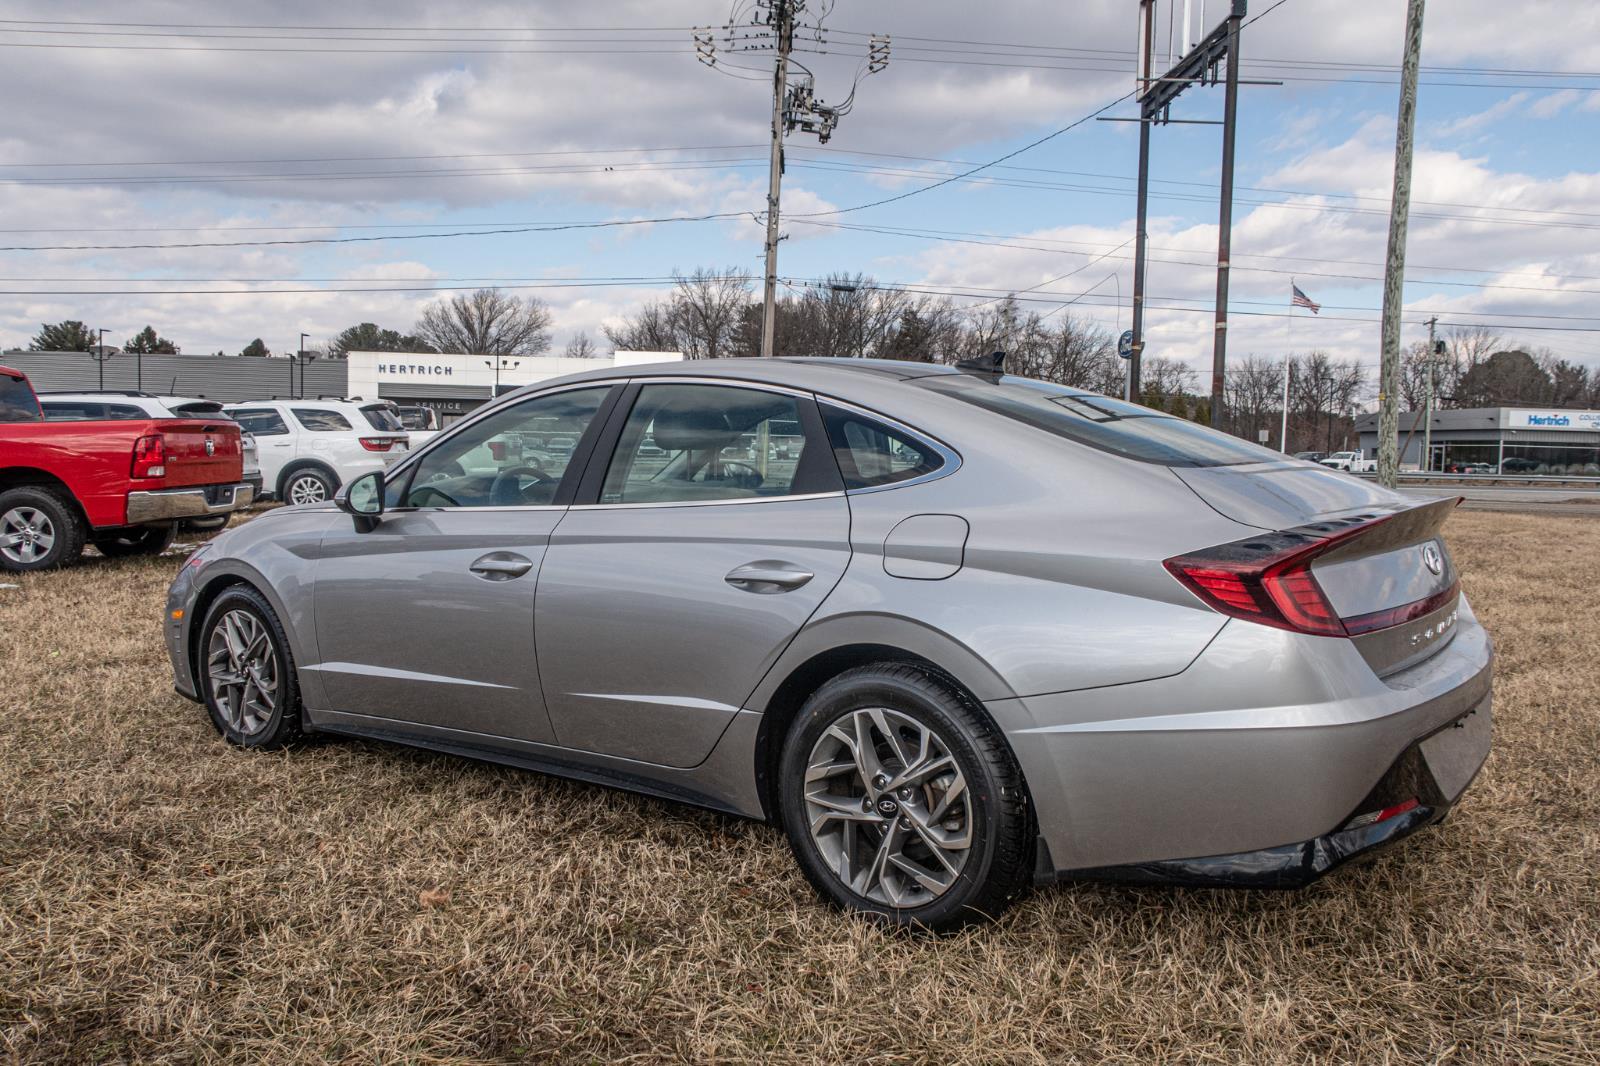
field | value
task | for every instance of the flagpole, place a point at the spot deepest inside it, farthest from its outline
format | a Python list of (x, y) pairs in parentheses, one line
[(1288, 346)]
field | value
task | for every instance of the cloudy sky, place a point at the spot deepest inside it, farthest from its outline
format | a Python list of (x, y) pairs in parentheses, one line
[(219, 125)]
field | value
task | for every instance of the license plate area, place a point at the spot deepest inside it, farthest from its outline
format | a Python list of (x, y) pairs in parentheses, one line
[(1455, 753)]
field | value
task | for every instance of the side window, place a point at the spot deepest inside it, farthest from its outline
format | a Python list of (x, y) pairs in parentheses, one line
[(697, 443), (871, 453), (124, 411), (513, 458), (319, 420), (71, 411), (263, 423)]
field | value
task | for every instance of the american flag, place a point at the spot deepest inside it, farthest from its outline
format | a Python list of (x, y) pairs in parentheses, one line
[(1300, 299)]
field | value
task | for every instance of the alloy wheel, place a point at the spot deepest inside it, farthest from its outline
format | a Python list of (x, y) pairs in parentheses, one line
[(243, 667), (307, 489), (888, 807), (26, 534)]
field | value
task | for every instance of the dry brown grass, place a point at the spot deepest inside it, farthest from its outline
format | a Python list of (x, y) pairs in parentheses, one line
[(163, 896)]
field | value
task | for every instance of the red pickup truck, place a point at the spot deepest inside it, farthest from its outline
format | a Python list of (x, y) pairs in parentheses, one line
[(120, 485)]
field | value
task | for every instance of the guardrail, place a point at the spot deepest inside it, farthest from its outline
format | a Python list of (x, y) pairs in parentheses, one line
[(1538, 480)]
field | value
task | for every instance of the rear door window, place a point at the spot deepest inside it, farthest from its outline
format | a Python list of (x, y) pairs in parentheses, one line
[(17, 403), (714, 443), (321, 420), (1114, 426)]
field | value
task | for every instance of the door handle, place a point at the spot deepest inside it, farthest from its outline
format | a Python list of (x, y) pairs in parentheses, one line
[(767, 577), (501, 566)]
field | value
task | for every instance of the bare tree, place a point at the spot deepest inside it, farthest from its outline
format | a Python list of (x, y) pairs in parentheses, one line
[(705, 311), (1163, 379), (486, 322), (1254, 394), (581, 347)]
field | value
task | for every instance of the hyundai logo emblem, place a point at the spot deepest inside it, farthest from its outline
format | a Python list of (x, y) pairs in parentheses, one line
[(1432, 559)]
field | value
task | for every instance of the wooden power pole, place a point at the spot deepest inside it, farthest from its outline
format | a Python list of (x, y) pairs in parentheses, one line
[(1395, 265)]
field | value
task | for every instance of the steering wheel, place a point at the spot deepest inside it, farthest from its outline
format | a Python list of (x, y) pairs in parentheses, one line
[(419, 497), (506, 489), (751, 474)]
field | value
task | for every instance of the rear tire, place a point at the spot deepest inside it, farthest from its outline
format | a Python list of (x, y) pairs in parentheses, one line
[(146, 540), (245, 672), (307, 485), (902, 801), (40, 529)]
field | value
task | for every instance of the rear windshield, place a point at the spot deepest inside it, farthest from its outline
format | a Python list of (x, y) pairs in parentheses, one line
[(17, 403), (1114, 426), (381, 417)]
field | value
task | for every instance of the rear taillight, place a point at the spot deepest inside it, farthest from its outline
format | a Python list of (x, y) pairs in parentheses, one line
[(1268, 579), (377, 444), (150, 456)]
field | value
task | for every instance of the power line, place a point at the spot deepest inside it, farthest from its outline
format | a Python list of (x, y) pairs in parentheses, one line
[(383, 158), (532, 228)]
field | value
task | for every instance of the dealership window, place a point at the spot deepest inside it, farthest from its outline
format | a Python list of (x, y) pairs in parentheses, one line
[(319, 420), (704, 443), (515, 457), (382, 416), (262, 423)]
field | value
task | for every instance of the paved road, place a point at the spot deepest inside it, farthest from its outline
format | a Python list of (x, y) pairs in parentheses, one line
[(1533, 499)]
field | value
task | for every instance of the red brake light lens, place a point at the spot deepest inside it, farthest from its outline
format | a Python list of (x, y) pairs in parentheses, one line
[(150, 456), (377, 444)]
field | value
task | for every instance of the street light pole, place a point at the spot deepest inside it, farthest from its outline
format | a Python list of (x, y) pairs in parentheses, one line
[(302, 354)]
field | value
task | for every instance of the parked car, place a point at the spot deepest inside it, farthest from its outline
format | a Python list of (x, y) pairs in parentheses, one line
[(420, 423), (91, 406), (310, 447), (983, 631), (1350, 463), (119, 482)]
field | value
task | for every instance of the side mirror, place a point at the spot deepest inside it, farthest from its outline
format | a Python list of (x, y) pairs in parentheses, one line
[(362, 498)]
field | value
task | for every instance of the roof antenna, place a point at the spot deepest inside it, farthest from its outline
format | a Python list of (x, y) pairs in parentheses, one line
[(993, 365)]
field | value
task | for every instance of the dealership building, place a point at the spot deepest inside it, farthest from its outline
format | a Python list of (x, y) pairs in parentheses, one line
[(1509, 440), (452, 383)]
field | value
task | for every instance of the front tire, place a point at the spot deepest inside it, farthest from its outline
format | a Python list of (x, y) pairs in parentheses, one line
[(39, 529), (148, 540), (902, 801), (246, 672)]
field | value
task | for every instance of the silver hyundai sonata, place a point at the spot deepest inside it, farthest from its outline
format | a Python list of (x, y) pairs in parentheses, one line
[(955, 630)]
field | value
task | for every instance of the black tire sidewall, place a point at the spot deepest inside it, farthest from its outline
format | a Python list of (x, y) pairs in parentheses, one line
[(69, 529), (930, 703), (284, 724)]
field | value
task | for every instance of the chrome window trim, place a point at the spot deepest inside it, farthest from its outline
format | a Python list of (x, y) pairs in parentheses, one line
[(951, 457), (707, 503)]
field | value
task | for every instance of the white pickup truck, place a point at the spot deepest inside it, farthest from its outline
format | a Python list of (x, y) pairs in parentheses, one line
[(1351, 463)]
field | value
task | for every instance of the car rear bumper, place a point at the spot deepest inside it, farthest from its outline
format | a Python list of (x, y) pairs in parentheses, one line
[(1258, 755), (166, 505), (1432, 774)]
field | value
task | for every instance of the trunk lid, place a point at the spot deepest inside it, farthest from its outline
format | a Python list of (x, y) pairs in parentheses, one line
[(201, 452), (1278, 495), (1388, 575)]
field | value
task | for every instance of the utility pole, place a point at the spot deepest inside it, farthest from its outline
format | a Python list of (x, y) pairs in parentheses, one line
[(794, 107), (1394, 269), (1230, 114), (783, 12), (1427, 403)]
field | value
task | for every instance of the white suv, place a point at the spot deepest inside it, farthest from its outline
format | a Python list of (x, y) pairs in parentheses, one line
[(311, 447), (103, 406)]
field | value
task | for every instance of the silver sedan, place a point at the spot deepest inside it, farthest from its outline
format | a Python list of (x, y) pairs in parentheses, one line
[(955, 631)]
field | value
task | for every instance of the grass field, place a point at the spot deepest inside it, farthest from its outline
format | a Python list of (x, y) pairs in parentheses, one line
[(163, 896)]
